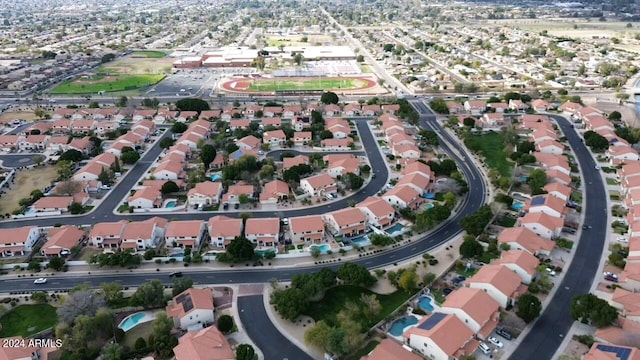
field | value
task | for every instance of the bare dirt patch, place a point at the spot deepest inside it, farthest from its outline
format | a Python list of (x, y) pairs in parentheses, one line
[(22, 115), (25, 182)]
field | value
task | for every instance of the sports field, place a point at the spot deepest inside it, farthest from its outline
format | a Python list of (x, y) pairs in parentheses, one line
[(117, 82), (304, 84), (149, 54), (124, 74)]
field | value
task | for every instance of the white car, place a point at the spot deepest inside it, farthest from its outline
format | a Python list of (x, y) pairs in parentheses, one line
[(40, 281), (551, 272), (497, 343), (285, 221), (622, 239)]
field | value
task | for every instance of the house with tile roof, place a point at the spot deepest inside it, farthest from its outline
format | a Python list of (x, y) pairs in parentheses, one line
[(388, 349), (143, 235), (146, 198), (319, 185), (346, 222), (223, 229), (543, 225), (521, 262), (62, 239), (475, 308), (264, 232), (205, 193), (185, 233), (289, 162), (547, 204), (377, 212), (306, 229), (558, 190), (441, 337), (403, 197), (206, 344), (234, 192), (18, 241), (192, 309), (500, 282), (107, 234), (274, 191), (600, 351)]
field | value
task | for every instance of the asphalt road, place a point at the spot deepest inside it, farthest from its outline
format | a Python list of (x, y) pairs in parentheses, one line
[(17, 160), (550, 329), (262, 332)]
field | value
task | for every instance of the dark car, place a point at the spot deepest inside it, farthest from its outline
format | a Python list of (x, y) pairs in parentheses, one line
[(373, 176), (176, 274), (447, 291), (502, 332)]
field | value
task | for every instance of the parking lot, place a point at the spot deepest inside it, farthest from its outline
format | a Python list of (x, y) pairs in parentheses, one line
[(194, 82)]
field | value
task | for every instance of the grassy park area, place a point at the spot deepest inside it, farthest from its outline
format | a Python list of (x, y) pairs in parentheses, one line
[(335, 299), (95, 84), (149, 54), (305, 84), (25, 320), (491, 147), (25, 182)]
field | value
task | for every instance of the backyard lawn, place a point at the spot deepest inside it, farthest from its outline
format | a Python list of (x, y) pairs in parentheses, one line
[(25, 320), (491, 147), (142, 330), (335, 299)]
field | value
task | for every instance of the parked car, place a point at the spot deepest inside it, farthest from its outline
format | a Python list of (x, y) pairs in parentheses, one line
[(484, 348), (176, 274), (622, 239), (551, 272), (504, 333), (40, 281), (610, 276), (495, 342)]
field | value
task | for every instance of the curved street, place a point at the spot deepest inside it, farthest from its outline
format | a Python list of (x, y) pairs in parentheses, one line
[(547, 333)]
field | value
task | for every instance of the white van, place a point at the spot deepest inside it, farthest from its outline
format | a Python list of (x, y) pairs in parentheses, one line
[(484, 348)]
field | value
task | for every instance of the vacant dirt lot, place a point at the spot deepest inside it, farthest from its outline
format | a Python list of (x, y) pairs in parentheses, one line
[(25, 182), (22, 115)]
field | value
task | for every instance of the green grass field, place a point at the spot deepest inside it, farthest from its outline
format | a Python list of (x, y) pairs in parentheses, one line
[(149, 54), (304, 84), (492, 148), (25, 320), (120, 82), (335, 298)]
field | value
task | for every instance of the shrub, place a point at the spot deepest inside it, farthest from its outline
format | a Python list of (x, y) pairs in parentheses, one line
[(140, 344), (225, 324)]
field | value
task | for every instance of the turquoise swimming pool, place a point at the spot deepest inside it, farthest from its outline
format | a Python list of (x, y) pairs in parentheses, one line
[(398, 326), (395, 229), (361, 241), (430, 205), (323, 248), (517, 205), (170, 204), (133, 320), (426, 303)]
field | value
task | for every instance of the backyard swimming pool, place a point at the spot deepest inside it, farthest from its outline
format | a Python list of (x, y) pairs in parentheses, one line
[(426, 303), (323, 248), (361, 241), (133, 320), (517, 205), (398, 326), (395, 229), (170, 204)]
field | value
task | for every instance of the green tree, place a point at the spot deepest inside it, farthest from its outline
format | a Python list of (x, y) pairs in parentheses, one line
[(39, 297), (94, 104), (329, 97), (65, 169), (537, 180), (360, 58), (475, 223), (240, 249), (408, 280), (588, 308), (318, 336), (180, 285), (207, 155), (56, 263), (297, 59), (225, 324), (179, 127), (163, 341), (352, 181), (169, 187), (439, 106), (122, 101), (130, 157), (192, 104), (354, 274), (595, 141), (166, 143), (290, 303), (76, 208), (112, 352), (246, 352), (112, 292), (471, 248), (529, 307), (381, 240), (72, 155), (149, 295)]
